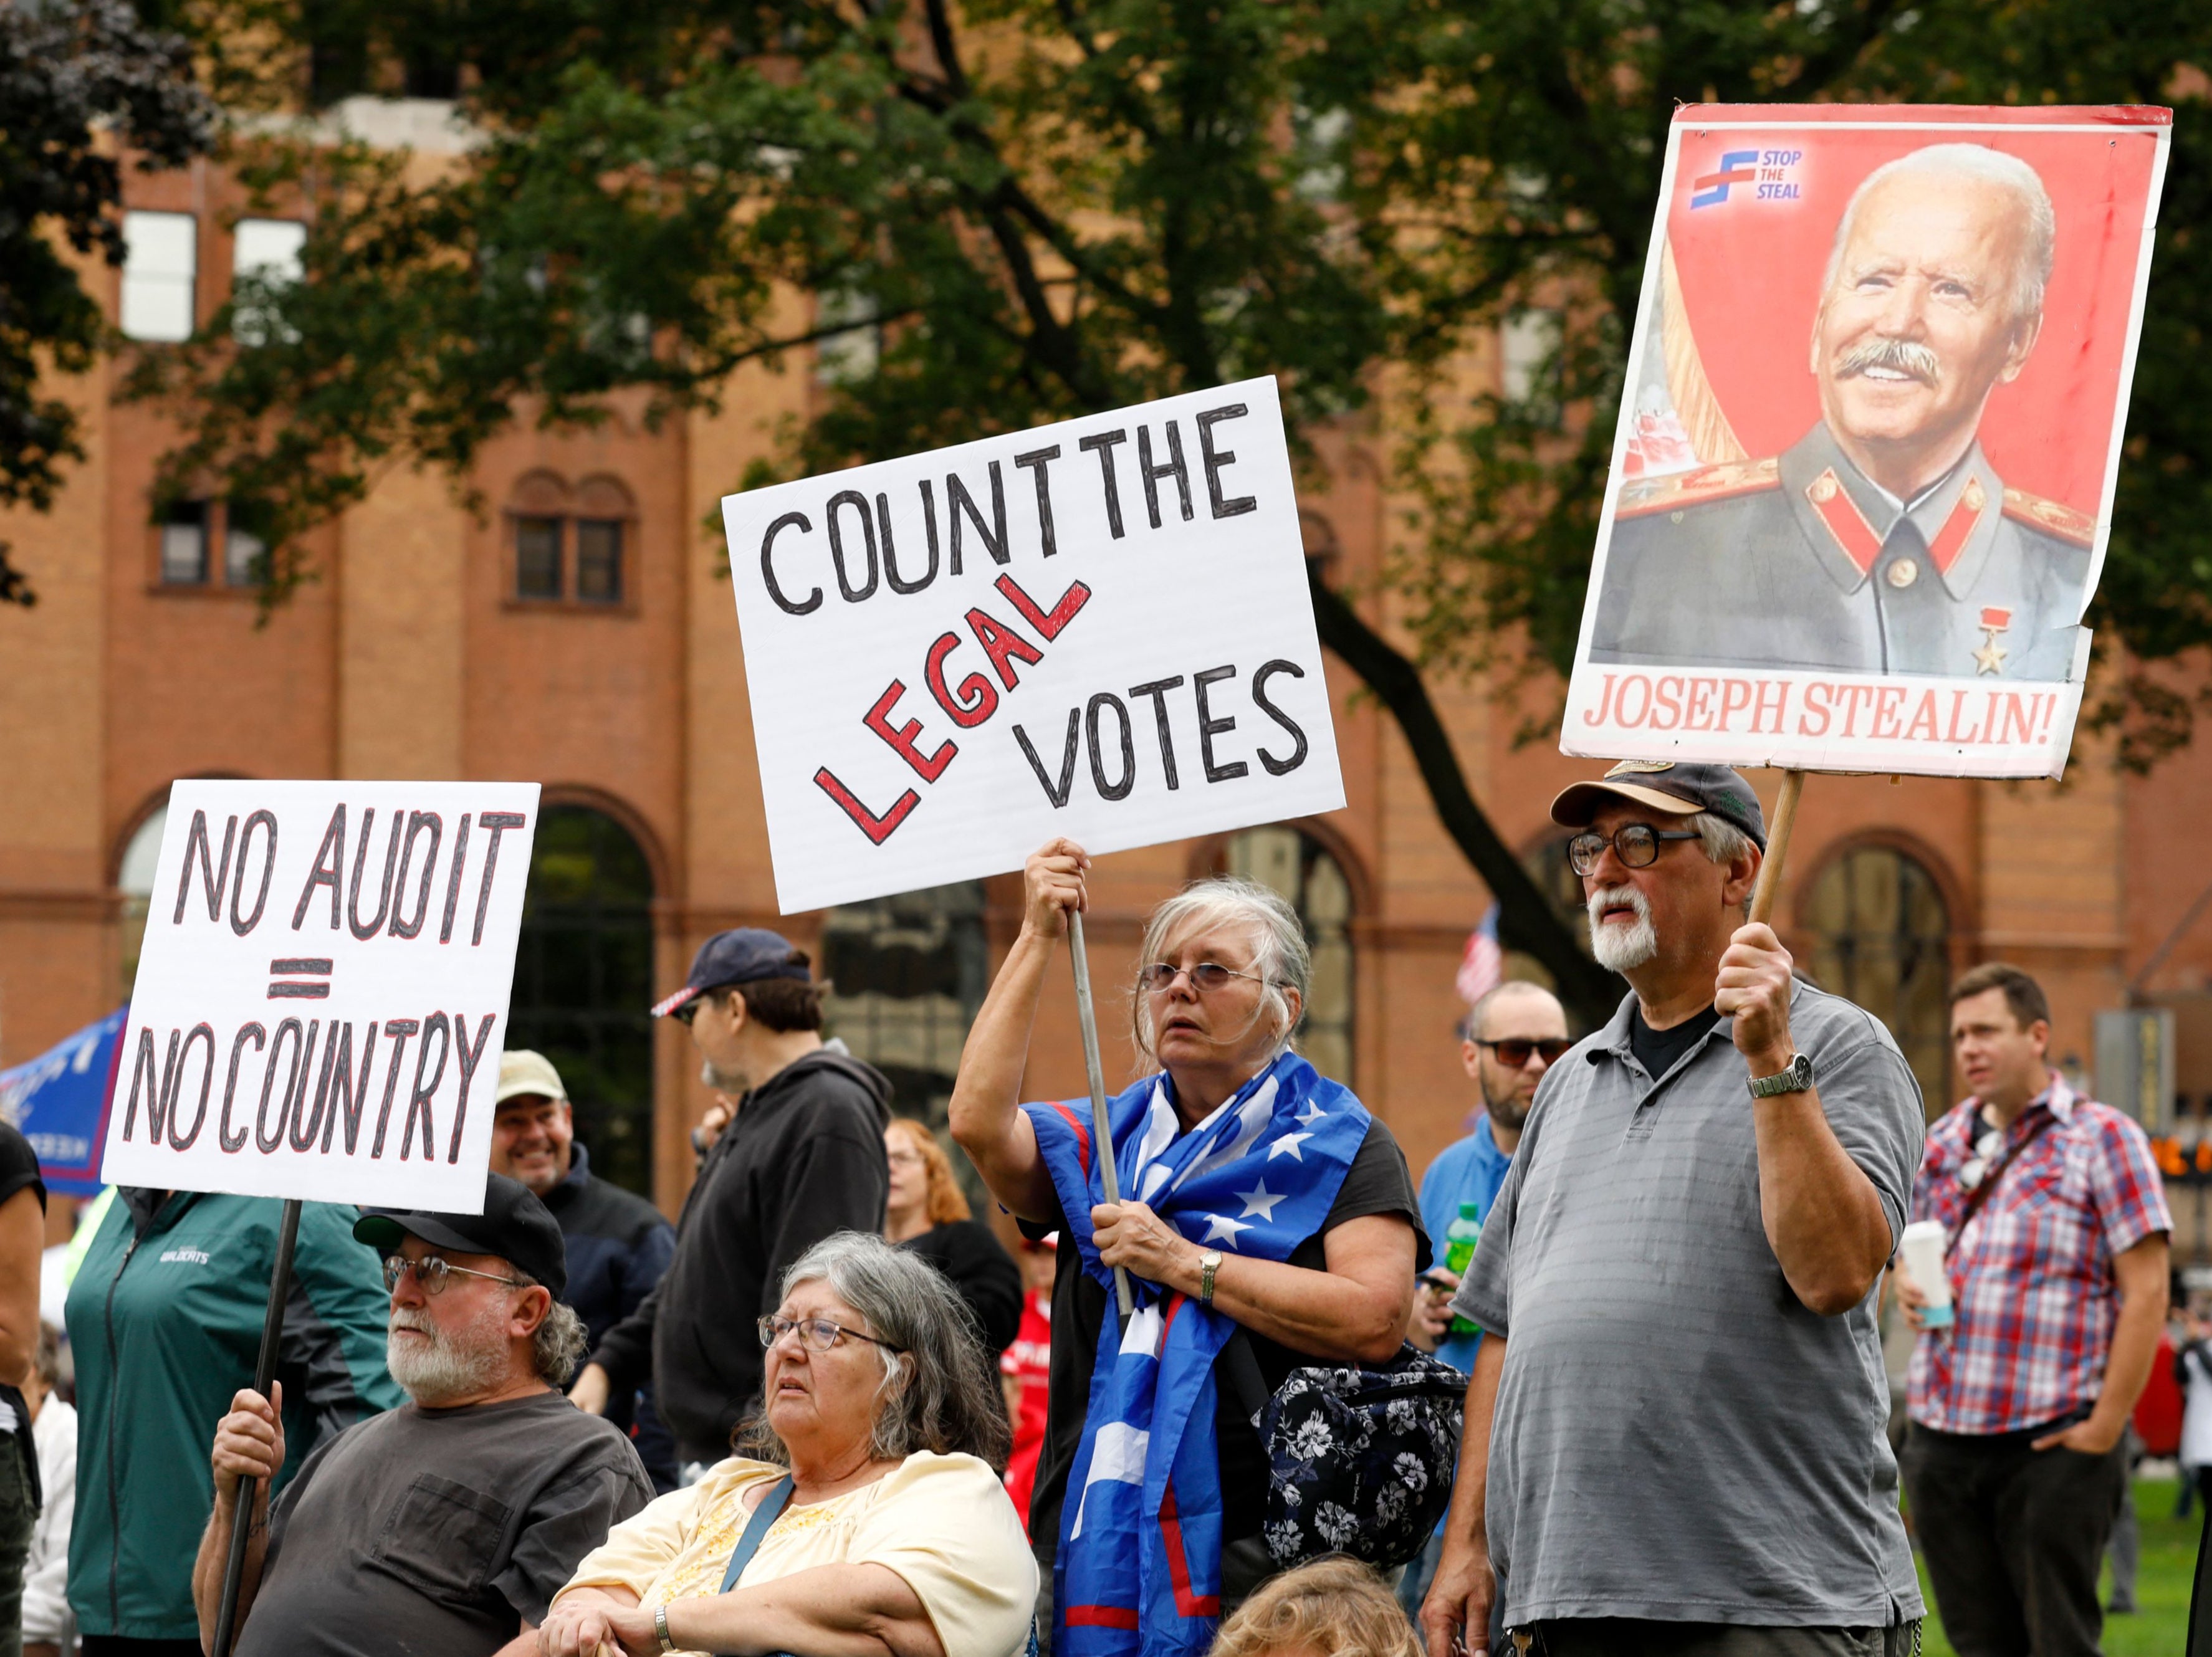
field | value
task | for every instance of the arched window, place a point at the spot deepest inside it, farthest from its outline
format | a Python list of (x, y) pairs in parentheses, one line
[(583, 983), (572, 546), (906, 976), (1300, 867), (1881, 937), (135, 880)]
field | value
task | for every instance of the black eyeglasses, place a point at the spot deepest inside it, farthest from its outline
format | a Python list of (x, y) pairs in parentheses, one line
[(1514, 1054), (431, 1271), (816, 1334), (1636, 844), (1205, 977)]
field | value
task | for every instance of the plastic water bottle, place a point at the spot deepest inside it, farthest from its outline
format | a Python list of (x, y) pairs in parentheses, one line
[(1460, 1239)]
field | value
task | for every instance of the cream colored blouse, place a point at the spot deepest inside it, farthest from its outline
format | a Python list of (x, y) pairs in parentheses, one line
[(944, 1523)]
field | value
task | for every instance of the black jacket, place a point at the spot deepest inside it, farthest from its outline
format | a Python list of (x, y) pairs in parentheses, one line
[(802, 1158), (618, 1246), (978, 1266)]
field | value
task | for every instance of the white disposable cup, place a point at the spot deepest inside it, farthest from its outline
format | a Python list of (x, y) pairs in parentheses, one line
[(1921, 1248)]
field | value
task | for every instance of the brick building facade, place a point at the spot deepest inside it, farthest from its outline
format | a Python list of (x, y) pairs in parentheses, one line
[(579, 633)]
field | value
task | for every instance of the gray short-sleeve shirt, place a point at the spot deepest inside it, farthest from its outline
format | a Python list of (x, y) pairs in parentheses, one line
[(1676, 1436), (439, 1530)]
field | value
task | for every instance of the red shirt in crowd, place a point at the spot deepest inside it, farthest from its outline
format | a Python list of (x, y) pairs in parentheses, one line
[(1027, 1364)]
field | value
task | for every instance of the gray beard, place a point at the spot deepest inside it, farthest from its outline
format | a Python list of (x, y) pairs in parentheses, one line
[(1617, 949), (440, 1369)]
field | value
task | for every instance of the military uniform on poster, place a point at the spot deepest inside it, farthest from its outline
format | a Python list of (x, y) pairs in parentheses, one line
[(1801, 562)]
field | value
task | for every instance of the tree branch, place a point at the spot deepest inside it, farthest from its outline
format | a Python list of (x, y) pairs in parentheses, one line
[(1525, 920)]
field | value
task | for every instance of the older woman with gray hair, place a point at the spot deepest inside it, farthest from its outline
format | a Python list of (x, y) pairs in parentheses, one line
[(1266, 1221), (862, 1515)]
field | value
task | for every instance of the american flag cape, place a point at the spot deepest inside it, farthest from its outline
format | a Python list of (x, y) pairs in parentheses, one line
[(1139, 1565)]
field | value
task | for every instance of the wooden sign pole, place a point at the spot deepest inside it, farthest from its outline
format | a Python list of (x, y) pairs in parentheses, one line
[(1101, 1129), (1777, 846), (264, 1376)]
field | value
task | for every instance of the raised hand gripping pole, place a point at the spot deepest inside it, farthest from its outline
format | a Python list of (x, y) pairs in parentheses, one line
[(1102, 1130), (264, 1376), (1777, 846)]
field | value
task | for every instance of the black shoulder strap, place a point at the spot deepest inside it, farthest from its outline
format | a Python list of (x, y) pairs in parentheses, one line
[(1239, 1367), (1982, 1193), (771, 1506)]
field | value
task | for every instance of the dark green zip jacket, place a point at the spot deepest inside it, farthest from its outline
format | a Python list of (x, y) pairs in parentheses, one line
[(165, 1321)]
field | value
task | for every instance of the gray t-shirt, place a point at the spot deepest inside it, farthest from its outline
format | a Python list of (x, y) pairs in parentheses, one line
[(438, 1531), (1677, 1436)]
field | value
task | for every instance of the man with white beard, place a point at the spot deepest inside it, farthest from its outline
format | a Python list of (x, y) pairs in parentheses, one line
[(447, 1524), (1675, 1430)]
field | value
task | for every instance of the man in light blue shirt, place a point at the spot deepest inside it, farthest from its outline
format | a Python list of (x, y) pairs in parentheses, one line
[(1511, 1038)]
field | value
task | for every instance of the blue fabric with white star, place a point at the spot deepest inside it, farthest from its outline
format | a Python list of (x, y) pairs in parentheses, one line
[(1256, 1178)]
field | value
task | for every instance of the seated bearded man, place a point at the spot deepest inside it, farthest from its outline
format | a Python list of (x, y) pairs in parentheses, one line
[(449, 1523)]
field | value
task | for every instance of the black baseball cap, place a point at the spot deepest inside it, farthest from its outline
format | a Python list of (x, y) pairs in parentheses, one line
[(744, 955), (514, 1226), (1677, 789)]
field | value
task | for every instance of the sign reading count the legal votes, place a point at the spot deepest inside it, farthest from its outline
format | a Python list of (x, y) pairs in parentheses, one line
[(322, 994), (1099, 628)]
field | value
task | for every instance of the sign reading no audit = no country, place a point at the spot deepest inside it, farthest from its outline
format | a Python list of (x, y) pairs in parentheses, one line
[(1099, 628), (322, 993)]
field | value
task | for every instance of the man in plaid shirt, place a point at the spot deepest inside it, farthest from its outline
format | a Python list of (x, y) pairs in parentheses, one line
[(2056, 1234)]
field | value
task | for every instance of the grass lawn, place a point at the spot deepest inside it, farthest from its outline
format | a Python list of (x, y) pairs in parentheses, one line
[(2169, 1562)]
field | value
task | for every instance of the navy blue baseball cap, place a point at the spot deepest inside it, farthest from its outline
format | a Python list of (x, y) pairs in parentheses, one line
[(515, 1227), (1679, 790), (744, 956)]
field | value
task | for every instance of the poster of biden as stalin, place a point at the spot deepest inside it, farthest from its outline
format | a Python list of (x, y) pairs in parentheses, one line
[(1873, 417)]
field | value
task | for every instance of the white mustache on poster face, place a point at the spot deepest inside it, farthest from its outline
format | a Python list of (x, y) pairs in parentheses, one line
[(1893, 357)]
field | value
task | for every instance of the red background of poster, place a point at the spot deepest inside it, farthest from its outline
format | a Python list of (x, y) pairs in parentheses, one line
[(1751, 274)]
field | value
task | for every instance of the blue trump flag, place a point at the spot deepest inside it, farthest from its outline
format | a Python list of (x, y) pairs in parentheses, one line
[(1138, 1567), (59, 1100)]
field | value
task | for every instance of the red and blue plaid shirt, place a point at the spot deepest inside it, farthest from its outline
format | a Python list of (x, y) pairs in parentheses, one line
[(2032, 1276)]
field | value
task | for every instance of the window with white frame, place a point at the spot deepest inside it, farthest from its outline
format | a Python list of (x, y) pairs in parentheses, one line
[(160, 265), (265, 251)]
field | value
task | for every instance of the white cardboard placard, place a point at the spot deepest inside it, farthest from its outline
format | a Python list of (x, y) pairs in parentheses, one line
[(322, 994), (1098, 628)]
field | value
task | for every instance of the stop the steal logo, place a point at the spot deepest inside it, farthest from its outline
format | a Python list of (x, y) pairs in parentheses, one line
[(1760, 175)]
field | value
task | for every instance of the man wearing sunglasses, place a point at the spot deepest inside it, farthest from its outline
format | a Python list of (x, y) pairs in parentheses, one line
[(447, 1524), (1511, 1036), (1674, 1439)]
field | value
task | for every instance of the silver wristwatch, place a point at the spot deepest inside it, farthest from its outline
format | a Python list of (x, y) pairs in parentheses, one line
[(660, 1627), (1797, 1078)]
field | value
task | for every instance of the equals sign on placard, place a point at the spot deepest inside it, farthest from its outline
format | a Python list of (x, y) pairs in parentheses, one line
[(300, 967)]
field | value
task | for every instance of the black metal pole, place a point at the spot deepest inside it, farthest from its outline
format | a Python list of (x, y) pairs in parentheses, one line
[(264, 1377)]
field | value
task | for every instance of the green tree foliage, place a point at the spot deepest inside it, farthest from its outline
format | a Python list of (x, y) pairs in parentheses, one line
[(74, 75), (1032, 209)]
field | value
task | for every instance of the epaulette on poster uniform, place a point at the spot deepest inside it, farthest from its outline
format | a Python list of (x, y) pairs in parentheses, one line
[(1702, 486), (2050, 517)]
